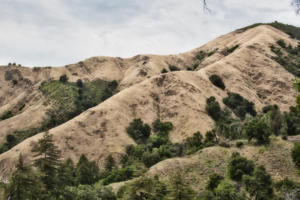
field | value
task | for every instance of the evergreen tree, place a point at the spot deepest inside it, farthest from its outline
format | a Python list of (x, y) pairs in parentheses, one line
[(238, 166), (110, 163), (24, 183), (260, 185), (47, 160), (179, 188), (86, 172)]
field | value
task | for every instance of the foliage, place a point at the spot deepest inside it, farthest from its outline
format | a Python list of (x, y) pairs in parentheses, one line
[(239, 144), (79, 83), (258, 129), (230, 50), (287, 56), (87, 172), (14, 82), (239, 166), (260, 185), (47, 159), (6, 115), (293, 31), (217, 81), (296, 154), (163, 71), (63, 78), (110, 163), (214, 181), (239, 105), (179, 189), (118, 175), (201, 56), (24, 183), (139, 131), (213, 109), (147, 188), (225, 191), (173, 68)]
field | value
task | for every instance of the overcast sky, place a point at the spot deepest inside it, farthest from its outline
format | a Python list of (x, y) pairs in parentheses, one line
[(60, 32)]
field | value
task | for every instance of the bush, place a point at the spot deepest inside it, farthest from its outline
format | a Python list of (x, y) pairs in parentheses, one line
[(173, 68), (201, 55), (225, 191), (217, 81), (260, 185), (14, 82), (159, 126), (164, 71), (139, 131), (79, 83), (239, 105), (296, 154), (258, 129), (214, 181), (239, 144), (150, 158), (239, 166), (213, 109), (63, 78), (281, 43), (118, 175), (6, 115)]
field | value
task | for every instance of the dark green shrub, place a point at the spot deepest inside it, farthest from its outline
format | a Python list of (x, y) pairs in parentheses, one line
[(110, 163), (150, 158), (113, 84), (159, 126), (63, 78), (213, 108), (214, 181), (79, 83), (14, 82), (239, 166), (260, 185), (21, 107), (6, 115), (296, 154), (139, 131), (239, 105), (239, 144), (201, 55), (281, 43), (118, 175), (173, 68), (258, 129), (164, 71), (226, 191), (217, 81)]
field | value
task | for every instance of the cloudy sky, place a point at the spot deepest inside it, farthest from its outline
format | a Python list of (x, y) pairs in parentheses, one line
[(60, 32)]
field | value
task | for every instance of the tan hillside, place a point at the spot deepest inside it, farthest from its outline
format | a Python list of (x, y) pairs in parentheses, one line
[(179, 97)]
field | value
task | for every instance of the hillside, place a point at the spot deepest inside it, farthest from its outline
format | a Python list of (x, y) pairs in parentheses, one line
[(143, 92), (196, 108)]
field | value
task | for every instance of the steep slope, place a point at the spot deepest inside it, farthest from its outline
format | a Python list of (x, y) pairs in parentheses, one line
[(179, 97)]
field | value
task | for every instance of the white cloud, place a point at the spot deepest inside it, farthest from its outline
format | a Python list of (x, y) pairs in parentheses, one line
[(60, 32)]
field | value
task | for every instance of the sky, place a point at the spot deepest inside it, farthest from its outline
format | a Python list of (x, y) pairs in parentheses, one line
[(61, 32)]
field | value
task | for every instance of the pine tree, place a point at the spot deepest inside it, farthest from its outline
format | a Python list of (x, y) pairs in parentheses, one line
[(47, 160), (179, 188), (24, 183), (110, 163), (86, 172)]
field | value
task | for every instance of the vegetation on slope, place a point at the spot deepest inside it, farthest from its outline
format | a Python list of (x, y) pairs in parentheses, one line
[(66, 100), (292, 31)]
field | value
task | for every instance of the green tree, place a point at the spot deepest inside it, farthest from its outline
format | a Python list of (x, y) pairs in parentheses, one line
[(214, 181), (110, 163), (226, 191), (213, 108), (87, 172), (47, 159), (239, 166), (258, 129), (217, 81), (79, 83), (24, 183), (139, 131), (180, 190), (296, 154), (147, 188), (63, 78), (260, 185)]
